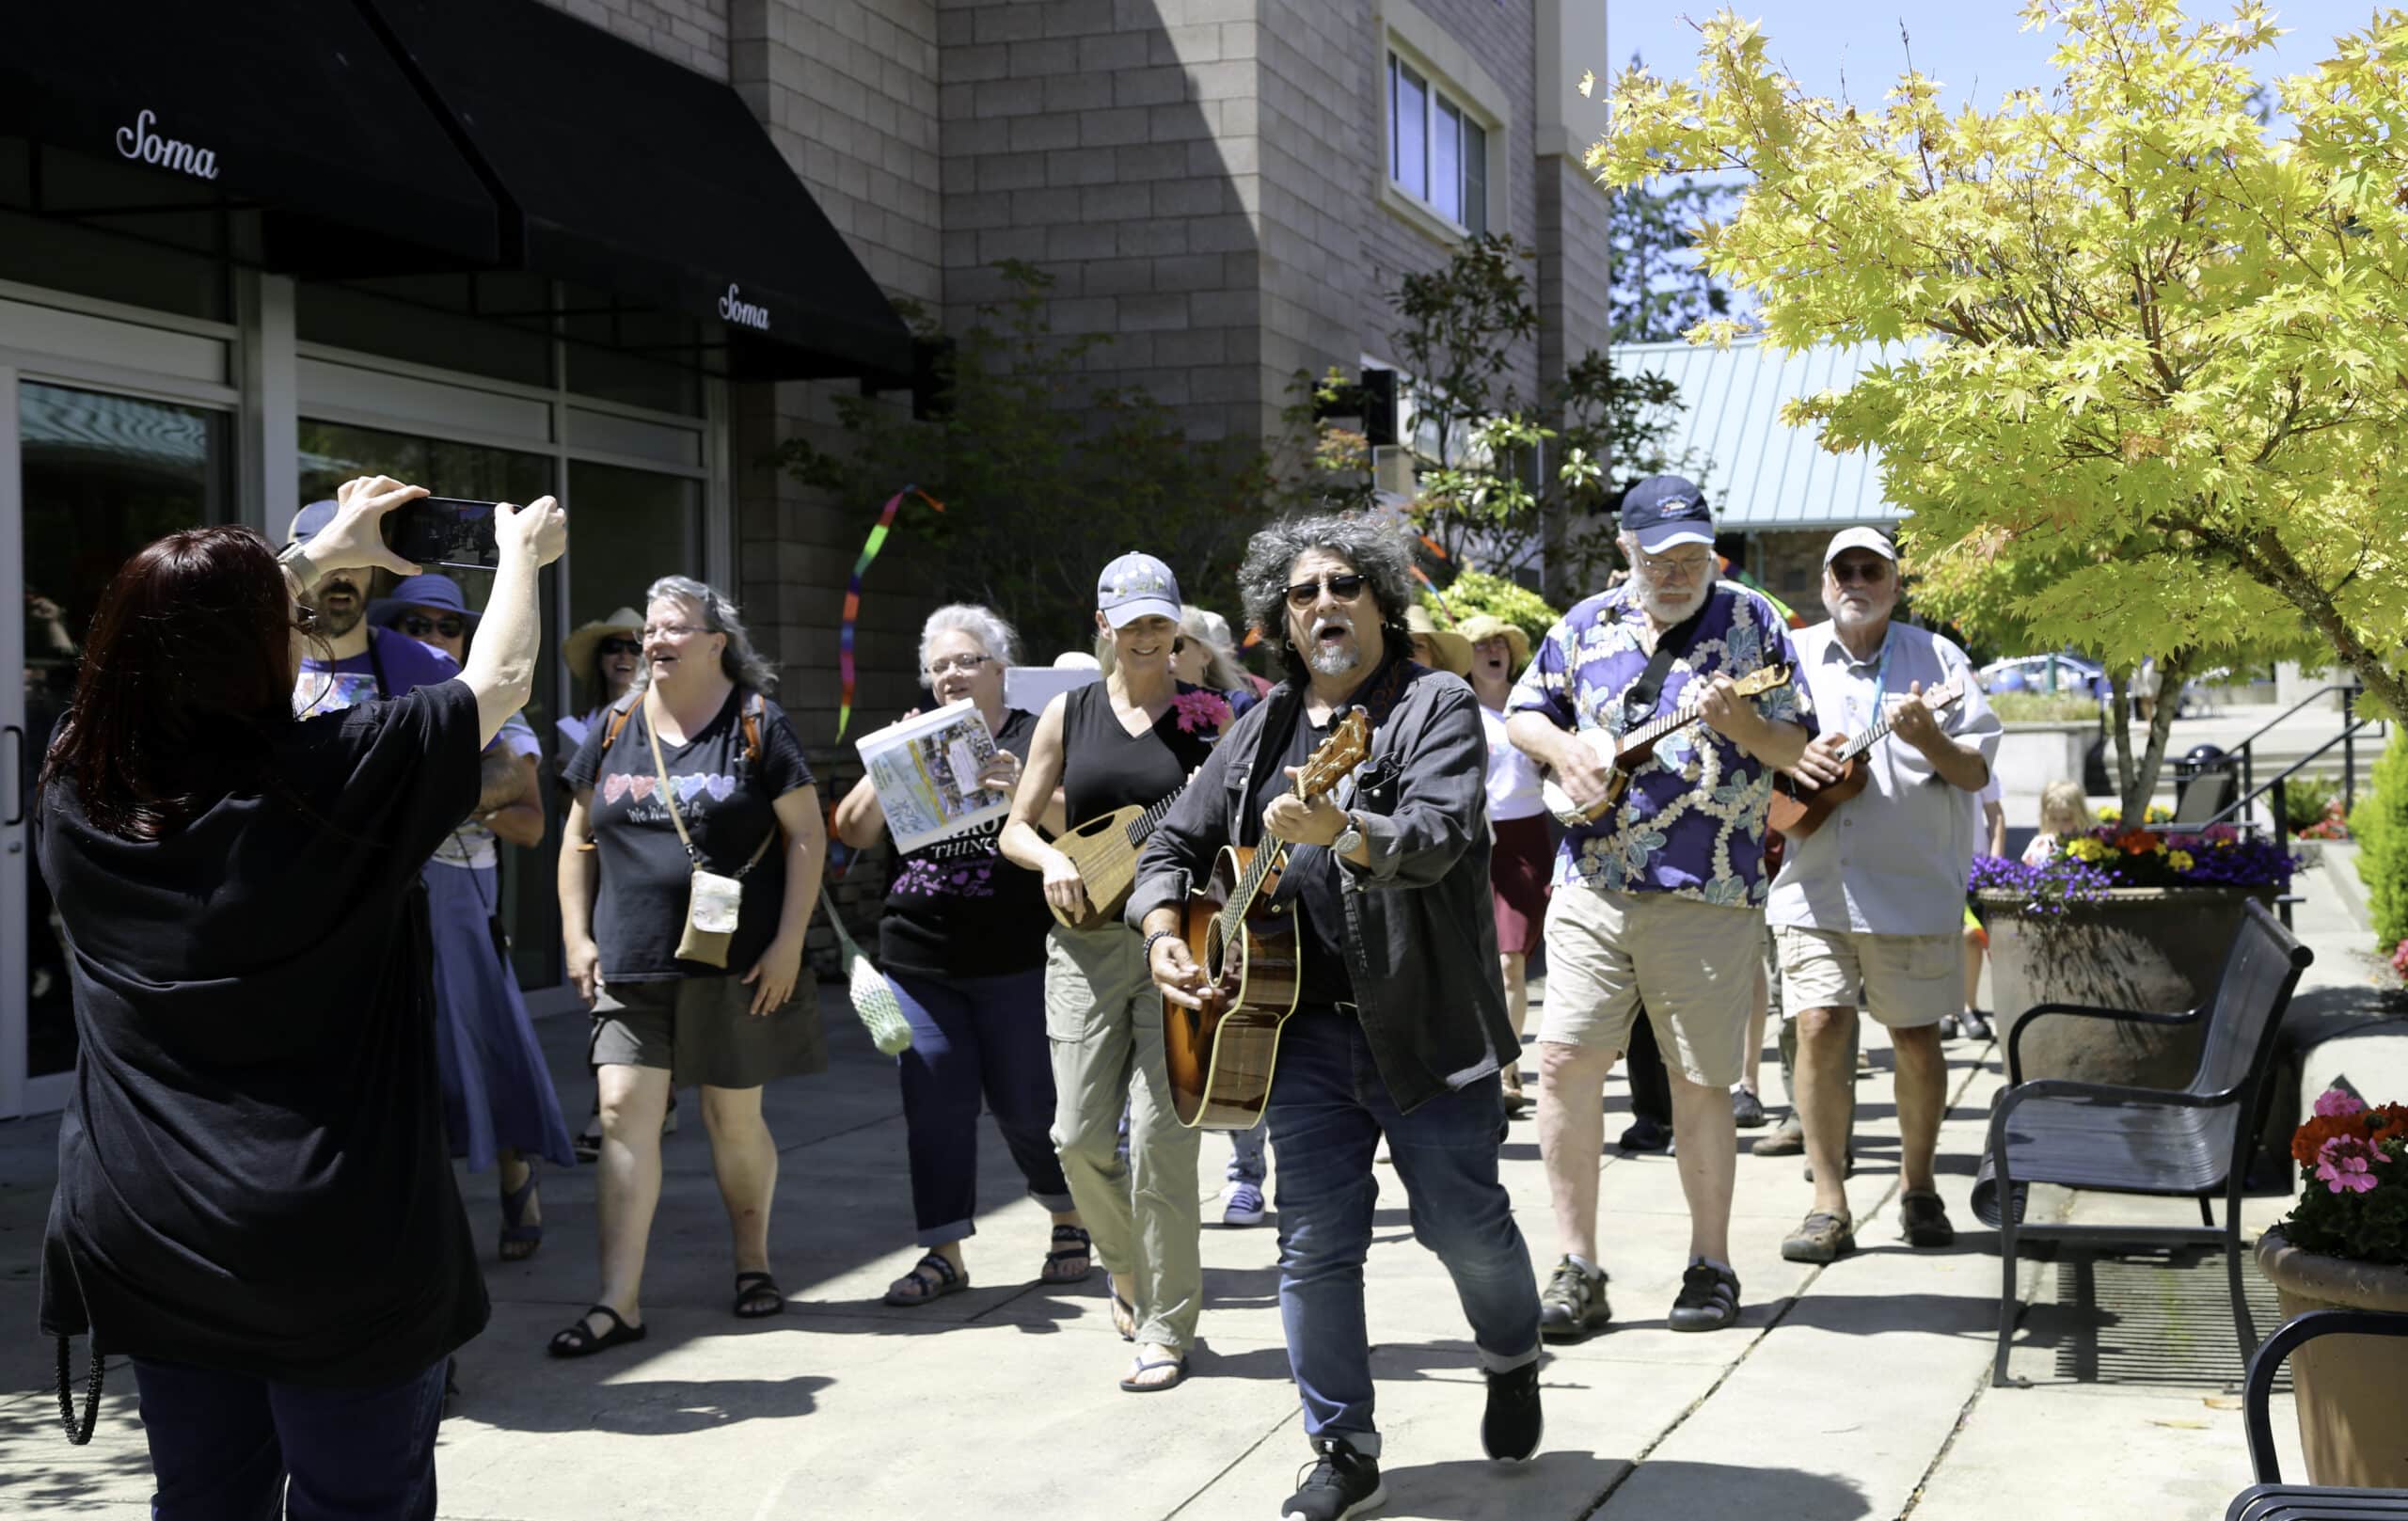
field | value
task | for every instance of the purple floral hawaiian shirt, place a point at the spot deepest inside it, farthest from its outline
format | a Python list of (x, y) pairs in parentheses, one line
[(1692, 823)]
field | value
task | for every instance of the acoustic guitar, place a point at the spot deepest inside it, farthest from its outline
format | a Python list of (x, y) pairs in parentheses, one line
[(1220, 1057), (1105, 850), (1798, 808), (1632, 749)]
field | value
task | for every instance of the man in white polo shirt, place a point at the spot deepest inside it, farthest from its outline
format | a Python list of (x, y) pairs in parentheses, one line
[(1874, 897)]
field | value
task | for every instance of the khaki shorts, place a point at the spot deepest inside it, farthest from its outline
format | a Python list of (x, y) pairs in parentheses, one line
[(1908, 980), (1692, 965)]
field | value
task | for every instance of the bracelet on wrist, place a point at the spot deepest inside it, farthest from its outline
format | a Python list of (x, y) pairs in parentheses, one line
[(1157, 935)]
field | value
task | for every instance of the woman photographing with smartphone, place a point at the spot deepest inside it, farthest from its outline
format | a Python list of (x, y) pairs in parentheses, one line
[(255, 1203)]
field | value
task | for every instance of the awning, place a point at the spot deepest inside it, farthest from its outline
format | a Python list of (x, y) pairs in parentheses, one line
[(292, 107), (628, 174)]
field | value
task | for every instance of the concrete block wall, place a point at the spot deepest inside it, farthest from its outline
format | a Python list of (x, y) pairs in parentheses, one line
[(1572, 274), (1114, 145), (690, 32)]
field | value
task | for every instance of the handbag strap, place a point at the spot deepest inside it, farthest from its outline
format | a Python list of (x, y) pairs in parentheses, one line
[(669, 799)]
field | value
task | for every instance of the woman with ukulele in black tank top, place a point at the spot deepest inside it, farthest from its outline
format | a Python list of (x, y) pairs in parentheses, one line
[(1133, 737)]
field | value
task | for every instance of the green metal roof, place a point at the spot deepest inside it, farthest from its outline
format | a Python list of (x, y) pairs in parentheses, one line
[(1758, 471)]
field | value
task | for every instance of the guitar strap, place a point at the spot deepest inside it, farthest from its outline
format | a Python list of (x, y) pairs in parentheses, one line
[(1638, 699)]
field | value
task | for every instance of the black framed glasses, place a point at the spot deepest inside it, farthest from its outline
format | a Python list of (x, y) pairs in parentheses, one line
[(967, 664), (618, 645), (1303, 595), (418, 626)]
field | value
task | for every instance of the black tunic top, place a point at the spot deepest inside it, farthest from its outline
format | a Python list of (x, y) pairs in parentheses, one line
[(958, 908), (1105, 767)]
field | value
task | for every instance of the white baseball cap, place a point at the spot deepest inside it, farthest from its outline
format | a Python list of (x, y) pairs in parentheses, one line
[(1860, 538)]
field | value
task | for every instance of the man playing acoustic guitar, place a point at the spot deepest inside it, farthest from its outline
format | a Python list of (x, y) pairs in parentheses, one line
[(1400, 1026), (1874, 899), (1657, 901)]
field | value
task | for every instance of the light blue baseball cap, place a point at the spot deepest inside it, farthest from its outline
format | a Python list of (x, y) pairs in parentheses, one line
[(1137, 586)]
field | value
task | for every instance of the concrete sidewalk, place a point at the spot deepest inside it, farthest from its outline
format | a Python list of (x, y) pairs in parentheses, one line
[(1857, 1391)]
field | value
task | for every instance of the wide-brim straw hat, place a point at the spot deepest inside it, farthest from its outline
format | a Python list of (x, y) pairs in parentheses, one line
[(1454, 651), (1484, 625), (579, 647)]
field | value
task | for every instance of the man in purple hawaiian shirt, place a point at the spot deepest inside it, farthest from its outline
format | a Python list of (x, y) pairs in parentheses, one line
[(1659, 904)]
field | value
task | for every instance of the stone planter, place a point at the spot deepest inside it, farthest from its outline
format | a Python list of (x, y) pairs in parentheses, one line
[(2353, 1423), (2156, 949)]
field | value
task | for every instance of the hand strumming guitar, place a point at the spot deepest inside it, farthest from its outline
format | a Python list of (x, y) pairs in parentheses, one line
[(1820, 765), (1174, 971), (1912, 720)]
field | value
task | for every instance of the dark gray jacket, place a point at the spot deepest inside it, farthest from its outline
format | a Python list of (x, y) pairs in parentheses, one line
[(1418, 921)]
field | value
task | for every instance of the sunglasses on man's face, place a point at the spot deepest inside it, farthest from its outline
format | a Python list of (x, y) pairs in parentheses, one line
[(418, 626), (1303, 595), (620, 646)]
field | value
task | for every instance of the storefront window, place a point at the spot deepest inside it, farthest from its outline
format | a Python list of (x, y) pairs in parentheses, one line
[(632, 526), (104, 475), (445, 321), (332, 453), (637, 359)]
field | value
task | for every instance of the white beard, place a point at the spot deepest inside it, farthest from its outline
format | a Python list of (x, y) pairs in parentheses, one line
[(1671, 607)]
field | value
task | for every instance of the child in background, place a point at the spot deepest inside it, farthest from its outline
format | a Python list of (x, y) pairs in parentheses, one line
[(2064, 810)]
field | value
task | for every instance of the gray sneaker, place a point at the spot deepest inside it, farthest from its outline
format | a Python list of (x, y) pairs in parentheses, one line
[(1574, 1304), (1823, 1238)]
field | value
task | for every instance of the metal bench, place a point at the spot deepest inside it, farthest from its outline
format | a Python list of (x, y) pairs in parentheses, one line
[(2270, 1498), (2193, 1142)]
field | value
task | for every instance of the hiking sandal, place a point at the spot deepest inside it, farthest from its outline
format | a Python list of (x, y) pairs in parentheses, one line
[(914, 1288), (759, 1296), (579, 1340), (1073, 1256)]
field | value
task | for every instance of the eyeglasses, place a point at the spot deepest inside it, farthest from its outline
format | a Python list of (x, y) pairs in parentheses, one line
[(1303, 595), (618, 646), (1667, 567), (966, 664), (451, 626), (304, 618), (673, 630), (1871, 572)]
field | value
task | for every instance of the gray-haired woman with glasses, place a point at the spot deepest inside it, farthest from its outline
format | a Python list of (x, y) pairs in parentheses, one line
[(692, 779), (963, 941)]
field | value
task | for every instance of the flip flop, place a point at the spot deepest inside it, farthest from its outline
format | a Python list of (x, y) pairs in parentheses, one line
[(760, 1291), (579, 1340), (911, 1289), (1130, 1386), (1124, 1316)]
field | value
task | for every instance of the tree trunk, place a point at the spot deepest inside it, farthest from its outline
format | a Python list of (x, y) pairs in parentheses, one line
[(2139, 777), (2265, 559), (2119, 725)]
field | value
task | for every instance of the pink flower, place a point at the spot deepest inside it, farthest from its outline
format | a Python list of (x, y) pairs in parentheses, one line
[(1203, 710), (2340, 1103), (2345, 1164), (2223, 833)]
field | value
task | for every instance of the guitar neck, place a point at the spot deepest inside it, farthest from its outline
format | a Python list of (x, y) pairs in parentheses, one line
[(1143, 823), (1642, 739), (1240, 903), (1862, 743)]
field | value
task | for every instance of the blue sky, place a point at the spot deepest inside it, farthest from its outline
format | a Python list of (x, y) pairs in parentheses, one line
[(1972, 46)]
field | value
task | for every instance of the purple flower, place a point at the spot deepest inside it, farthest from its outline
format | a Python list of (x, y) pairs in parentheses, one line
[(2346, 1162), (2340, 1103)]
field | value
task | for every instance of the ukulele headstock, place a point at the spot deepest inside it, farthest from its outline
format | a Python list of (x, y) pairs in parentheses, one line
[(1763, 680), (1348, 745)]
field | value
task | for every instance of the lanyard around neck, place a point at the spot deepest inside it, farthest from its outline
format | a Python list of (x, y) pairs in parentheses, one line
[(1880, 681)]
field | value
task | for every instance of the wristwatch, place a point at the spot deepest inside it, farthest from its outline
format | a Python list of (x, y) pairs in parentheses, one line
[(295, 556), (1348, 838)]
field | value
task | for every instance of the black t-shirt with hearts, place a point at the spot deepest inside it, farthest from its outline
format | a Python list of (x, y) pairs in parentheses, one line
[(727, 801), (957, 908)]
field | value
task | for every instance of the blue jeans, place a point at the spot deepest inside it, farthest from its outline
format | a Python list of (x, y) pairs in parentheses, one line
[(975, 1035), (223, 1444), (1246, 1165), (1328, 1110)]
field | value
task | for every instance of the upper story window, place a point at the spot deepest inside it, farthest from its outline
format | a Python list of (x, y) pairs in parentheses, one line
[(1438, 152)]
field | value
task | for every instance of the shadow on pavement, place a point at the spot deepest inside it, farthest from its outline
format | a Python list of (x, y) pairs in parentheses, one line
[(592, 1401)]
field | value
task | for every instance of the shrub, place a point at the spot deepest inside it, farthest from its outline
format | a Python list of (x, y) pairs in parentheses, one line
[(2305, 803), (2044, 707), (1476, 591), (2379, 823)]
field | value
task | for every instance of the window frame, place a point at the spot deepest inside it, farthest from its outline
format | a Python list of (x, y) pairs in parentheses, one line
[(1473, 190)]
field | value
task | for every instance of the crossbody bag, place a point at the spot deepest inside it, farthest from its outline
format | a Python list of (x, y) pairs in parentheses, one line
[(714, 902)]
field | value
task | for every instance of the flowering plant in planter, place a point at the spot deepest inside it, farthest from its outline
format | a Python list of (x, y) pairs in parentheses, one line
[(2354, 1180), (2082, 867)]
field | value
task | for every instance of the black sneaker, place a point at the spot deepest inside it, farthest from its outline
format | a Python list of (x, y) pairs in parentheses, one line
[(1344, 1483), (1925, 1219), (1510, 1431), (1709, 1299), (1747, 1110), (1646, 1135), (1574, 1304)]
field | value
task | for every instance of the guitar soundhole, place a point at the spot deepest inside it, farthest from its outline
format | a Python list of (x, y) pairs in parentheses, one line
[(1214, 948)]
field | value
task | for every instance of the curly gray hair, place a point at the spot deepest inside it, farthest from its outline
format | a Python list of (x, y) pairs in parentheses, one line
[(1379, 551), (744, 665), (985, 625)]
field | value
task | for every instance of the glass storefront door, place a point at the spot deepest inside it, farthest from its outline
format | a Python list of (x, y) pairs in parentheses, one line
[(96, 477)]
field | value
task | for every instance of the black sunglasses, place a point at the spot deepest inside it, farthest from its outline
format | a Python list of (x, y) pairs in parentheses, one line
[(451, 626), (618, 646), (1304, 594)]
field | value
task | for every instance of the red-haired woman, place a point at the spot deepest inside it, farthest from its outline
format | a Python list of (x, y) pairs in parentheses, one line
[(255, 1200)]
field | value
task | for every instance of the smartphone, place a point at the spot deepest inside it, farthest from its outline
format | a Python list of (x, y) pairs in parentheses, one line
[(444, 531)]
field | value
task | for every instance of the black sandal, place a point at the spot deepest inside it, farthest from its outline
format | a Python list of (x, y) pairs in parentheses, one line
[(948, 1280), (579, 1340), (760, 1291), (1071, 1244)]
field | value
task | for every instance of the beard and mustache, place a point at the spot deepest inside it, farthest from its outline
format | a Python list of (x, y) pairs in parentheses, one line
[(333, 623), (1672, 604)]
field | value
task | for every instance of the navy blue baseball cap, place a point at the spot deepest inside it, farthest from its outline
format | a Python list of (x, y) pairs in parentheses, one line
[(1666, 510), (310, 521)]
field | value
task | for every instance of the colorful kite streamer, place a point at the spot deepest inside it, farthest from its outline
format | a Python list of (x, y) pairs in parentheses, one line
[(870, 548)]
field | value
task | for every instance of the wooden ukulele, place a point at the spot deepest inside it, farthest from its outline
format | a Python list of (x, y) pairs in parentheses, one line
[(1798, 808), (1220, 1057), (1632, 749), (1105, 848)]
